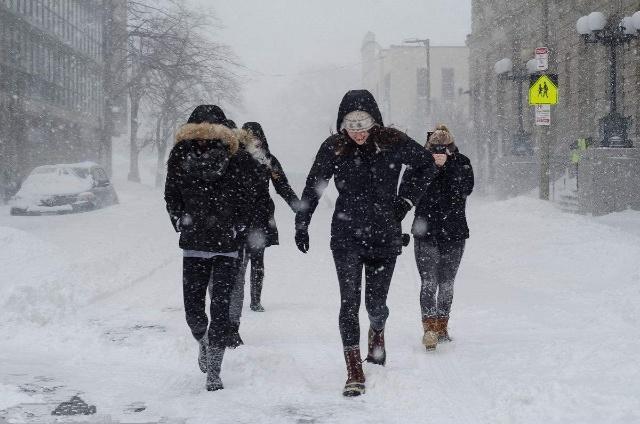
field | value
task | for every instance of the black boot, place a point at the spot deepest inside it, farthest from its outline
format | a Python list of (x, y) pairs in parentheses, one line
[(377, 353), (257, 276), (233, 335), (214, 364), (202, 353)]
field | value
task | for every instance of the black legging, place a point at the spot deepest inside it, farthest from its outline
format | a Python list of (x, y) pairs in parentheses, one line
[(438, 263), (219, 273), (378, 273)]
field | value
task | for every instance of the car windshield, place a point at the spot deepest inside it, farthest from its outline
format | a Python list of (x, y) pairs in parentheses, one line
[(57, 180)]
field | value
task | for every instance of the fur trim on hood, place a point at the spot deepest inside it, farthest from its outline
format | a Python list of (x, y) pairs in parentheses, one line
[(206, 131)]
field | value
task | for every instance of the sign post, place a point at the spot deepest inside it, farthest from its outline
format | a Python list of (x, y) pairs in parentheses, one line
[(542, 58)]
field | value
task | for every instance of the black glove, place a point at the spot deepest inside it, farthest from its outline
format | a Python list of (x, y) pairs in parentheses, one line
[(406, 239), (302, 240), (400, 208)]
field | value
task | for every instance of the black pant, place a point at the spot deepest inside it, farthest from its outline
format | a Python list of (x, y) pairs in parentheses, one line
[(219, 273), (438, 263), (378, 273), (256, 257)]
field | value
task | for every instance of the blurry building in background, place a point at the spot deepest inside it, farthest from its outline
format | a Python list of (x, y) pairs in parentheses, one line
[(415, 94), (52, 83), (513, 29)]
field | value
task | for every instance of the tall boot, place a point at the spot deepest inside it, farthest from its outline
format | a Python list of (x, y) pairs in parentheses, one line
[(233, 335), (214, 363), (202, 353), (355, 376), (430, 337), (256, 292), (377, 353), (443, 331)]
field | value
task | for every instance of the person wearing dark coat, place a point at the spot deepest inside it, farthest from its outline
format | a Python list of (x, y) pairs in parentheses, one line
[(263, 231), (440, 231), (365, 159), (209, 193)]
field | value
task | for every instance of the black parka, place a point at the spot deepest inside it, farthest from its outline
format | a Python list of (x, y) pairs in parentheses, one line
[(264, 231), (209, 191), (441, 212), (366, 178)]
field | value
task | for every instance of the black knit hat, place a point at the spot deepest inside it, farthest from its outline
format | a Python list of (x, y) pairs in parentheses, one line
[(210, 114), (258, 132)]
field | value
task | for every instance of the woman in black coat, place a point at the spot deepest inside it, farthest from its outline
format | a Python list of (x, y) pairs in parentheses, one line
[(365, 159), (209, 194), (440, 231), (263, 231)]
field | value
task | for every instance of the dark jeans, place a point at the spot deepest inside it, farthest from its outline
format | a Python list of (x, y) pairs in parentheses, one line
[(219, 274), (378, 273), (256, 258), (438, 263)]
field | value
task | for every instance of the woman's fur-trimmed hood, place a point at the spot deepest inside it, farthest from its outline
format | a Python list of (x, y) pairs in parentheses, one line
[(206, 131)]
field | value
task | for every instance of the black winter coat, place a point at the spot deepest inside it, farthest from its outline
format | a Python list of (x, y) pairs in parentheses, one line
[(264, 232), (441, 212), (366, 178), (209, 191)]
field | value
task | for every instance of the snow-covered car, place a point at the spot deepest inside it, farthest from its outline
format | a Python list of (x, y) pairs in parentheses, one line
[(65, 188)]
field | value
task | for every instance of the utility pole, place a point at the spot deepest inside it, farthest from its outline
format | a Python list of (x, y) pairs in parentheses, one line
[(544, 131)]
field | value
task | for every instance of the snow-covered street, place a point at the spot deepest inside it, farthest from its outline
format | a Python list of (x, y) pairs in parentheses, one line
[(545, 324)]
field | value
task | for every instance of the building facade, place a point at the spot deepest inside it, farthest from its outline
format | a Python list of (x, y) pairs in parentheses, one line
[(513, 29), (52, 91), (416, 93)]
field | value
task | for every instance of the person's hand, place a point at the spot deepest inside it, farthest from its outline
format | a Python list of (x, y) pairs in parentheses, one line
[(400, 208), (302, 240), (440, 158)]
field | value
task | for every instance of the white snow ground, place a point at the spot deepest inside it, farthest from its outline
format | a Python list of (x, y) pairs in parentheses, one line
[(545, 321)]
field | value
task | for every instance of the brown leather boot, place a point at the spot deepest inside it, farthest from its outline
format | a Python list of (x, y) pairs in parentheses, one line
[(377, 353), (443, 332), (430, 337), (355, 376)]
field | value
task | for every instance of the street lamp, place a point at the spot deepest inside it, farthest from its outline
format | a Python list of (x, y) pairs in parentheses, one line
[(593, 29), (427, 46), (505, 70)]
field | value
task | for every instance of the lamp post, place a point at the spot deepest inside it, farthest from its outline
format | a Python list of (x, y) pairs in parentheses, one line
[(593, 29), (427, 46), (504, 69)]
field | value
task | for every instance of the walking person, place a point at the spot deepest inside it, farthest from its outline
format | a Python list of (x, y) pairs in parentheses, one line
[(263, 232), (440, 231), (208, 192), (365, 159)]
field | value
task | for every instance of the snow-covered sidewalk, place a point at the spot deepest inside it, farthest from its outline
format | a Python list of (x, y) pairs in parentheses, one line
[(545, 322)]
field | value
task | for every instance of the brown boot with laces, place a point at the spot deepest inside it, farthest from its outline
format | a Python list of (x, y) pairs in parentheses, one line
[(355, 376), (377, 353), (431, 327)]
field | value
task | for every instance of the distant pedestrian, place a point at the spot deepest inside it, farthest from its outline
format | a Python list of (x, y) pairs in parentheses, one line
[(209, 195), (365, 159), (440, 231), (263, 232)]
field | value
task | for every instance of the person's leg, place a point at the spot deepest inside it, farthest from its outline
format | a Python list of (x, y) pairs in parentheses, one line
[(378, 274), (450, 257), (195, 278), (224, 275), (427, 258), (235, 306), (257, 277), (349, 270)]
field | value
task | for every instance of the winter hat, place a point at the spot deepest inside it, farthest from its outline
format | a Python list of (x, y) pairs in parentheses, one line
[(231, 124), (358, 120), (256, 130), (441, 136), (210, 114)]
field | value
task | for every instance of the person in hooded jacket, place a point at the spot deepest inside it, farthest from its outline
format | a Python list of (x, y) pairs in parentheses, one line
[(365, 159), (263, 232), (440, 231), (209, 193)]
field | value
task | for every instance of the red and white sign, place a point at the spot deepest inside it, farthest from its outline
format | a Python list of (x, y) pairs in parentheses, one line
[(543, 115), (542, 58)]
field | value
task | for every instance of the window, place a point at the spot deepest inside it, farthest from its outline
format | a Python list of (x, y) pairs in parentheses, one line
[(448, 83)]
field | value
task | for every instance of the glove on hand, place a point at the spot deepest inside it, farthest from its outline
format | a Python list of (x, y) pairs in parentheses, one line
[(302, 240), (406, 239), (400, 208)]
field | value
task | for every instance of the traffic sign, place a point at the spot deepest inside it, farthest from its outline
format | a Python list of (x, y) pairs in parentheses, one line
[(543, 114), (542, 58), (543, 89)]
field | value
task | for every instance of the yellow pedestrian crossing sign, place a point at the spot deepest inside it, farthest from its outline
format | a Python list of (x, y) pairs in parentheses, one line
[(543, 89)]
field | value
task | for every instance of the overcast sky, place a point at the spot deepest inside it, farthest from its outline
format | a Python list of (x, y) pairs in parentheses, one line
[(281, 40)]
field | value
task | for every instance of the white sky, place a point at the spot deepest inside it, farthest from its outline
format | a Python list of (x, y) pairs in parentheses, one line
[(290, 37)]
